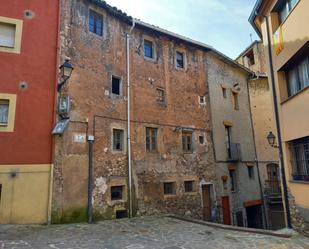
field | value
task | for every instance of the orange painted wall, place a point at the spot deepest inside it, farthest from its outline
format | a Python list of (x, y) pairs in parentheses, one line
[(31, 141)]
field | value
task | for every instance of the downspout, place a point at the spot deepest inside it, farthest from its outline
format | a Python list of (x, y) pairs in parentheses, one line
[(284, 184), (129, 121), (265, 223)]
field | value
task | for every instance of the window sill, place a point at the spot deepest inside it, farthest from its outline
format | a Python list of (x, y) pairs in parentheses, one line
[(183, 69), (170, 196), (296, 94), (153, 60), (190, 193), (3, 124)]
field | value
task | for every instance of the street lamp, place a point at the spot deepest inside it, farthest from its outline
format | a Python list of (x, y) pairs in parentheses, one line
[(65, 72), (272, 140)]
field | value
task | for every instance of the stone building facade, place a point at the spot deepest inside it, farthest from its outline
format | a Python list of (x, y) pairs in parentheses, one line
[(172, 152), (263, 119)]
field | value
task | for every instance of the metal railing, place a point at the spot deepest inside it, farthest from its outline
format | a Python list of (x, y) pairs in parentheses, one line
[(300, 161)]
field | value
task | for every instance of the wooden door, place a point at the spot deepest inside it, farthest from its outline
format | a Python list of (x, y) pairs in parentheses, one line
[(206, 202), (226, 210)]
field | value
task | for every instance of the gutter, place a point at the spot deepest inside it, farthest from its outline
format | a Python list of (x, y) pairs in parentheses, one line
[(254, 14)]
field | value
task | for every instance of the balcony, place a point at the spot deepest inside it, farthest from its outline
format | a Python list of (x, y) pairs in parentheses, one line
[(300, 161), (272, 187), (234, 154)]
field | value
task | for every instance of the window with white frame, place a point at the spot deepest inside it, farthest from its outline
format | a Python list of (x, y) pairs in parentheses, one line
[(7, 35), (4, 111)]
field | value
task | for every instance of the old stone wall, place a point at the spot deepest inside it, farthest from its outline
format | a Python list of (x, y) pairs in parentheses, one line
[(96, 59)]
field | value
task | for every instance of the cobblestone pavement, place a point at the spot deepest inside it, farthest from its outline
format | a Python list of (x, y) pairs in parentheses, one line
[(139, 233)]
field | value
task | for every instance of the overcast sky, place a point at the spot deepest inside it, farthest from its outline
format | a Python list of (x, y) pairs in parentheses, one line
[(222, 24)]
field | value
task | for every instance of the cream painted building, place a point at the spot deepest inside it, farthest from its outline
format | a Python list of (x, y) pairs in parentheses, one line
[(283, 26)]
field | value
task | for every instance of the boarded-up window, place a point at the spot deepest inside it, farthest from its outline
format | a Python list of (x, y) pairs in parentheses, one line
[(151, 139), (7, 35)]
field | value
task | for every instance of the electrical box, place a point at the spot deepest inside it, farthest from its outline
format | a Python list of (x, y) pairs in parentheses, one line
[(64, 105)]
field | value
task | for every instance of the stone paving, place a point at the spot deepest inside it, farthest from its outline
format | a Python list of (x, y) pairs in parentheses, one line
[(139, 233)]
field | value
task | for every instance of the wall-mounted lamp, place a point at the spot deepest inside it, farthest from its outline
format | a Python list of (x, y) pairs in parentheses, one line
[(271, 138), (65, 72)]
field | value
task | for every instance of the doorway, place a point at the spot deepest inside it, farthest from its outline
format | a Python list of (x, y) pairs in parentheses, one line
[(206, 202), (273, 178), (254, 216), (226, 210)]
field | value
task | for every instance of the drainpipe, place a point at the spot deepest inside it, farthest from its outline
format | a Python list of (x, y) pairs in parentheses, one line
[(90, 140), (129, 121), (284, 184)]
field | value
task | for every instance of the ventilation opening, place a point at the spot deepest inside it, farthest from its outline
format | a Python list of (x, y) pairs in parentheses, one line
[(120, 214)]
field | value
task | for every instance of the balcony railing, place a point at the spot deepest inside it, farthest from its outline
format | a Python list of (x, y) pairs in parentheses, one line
[(300, 161), (234, 153), (272, 187)]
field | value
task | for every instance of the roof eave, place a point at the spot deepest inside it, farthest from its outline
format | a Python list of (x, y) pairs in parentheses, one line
[(253, 15)]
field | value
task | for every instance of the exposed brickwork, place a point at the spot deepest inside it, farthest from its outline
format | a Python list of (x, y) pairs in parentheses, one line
[(95, 60)]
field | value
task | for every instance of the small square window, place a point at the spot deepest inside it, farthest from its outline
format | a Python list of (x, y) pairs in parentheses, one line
[(95, 23), (148, 49), (202, 100), (251, 172), (151, 139), (160, 95), (187, 142), (169, 188), (179, 59), (189, 186), (117, 193), (117, 139), (4, 111), (201, 139), (7, 35), (116, 85)]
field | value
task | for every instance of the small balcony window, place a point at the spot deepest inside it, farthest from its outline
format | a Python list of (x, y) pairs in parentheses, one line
[(151, 139), (187, 142), (117, 140)]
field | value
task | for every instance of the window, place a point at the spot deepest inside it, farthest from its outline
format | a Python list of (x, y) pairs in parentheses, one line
[(179, 59), (224, 92), (233, 180), (95, 23), (201, 139), (10, 34), (202, 100), (284, 8), (250, 58), (299, 150), (116, 85), (4, 112), (187, 142), (189, 186), (7, 35), (117, 193), (250, 172), (160, 95), (235, 101), (117, 139), (148, 49), (298, 76), (151, 139), (228, 140), (169, 188)]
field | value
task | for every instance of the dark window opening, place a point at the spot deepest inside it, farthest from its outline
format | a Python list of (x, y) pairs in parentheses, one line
[(179, 59), (116, 193), (116, 83), (151, 139), (202, 99), (201, 139), (187, 142), (233, 180), (251, 172), (120, 214), (95, 23), (300, 159), (0, 192), (189, 186), (228, 140), (169, 188), (284, 8), (148, 49), (117, 139), (224, 92), (250, 58)]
